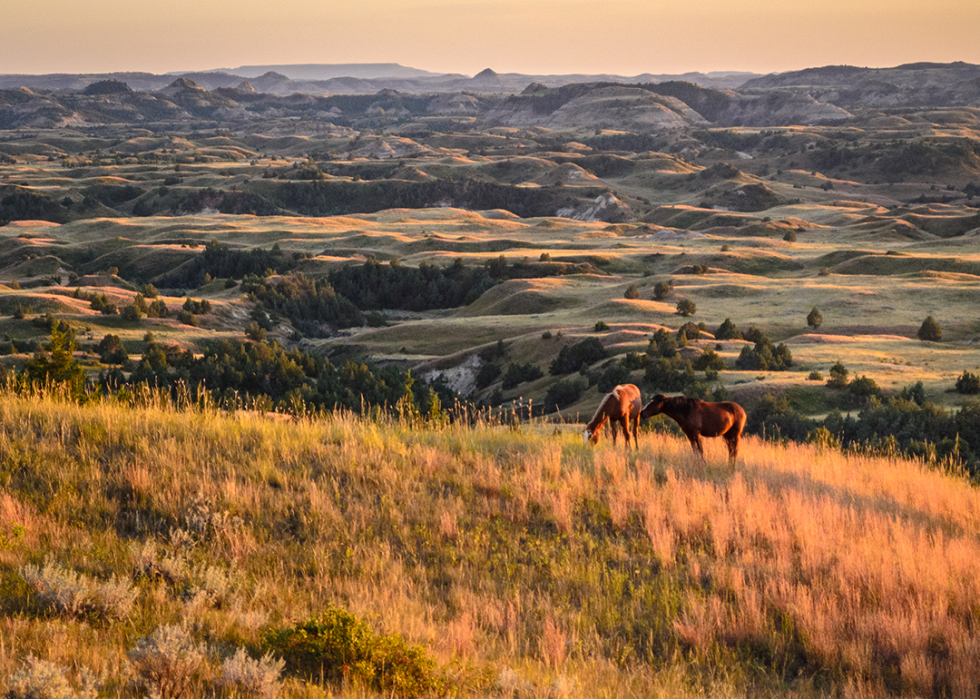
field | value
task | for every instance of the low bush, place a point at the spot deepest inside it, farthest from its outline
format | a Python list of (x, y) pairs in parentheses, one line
[(686, 307), (728, 331), (563, 394), (70, 593), (519, 373), (42, 679), (968, 384), (572, 357), (487, 374), (709, 360), (167, 662), (613, 376), (338, 646), (245, 676)]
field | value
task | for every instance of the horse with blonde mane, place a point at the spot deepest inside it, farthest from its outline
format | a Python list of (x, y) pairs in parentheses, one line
[(622, 406), (698, 418)]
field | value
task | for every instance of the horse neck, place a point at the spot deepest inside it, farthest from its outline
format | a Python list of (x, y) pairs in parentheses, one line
[(675, 412), (600, 417)]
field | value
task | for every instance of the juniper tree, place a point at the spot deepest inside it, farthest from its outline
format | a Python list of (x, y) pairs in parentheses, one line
[(930, 330), (814, 319)]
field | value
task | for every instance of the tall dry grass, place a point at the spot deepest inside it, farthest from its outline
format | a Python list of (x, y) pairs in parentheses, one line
[(561, 569)]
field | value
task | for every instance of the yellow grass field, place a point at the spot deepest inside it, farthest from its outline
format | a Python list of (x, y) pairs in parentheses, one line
[(549, 567)]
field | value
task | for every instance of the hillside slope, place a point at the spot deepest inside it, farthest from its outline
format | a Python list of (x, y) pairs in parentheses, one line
[(549, 567)]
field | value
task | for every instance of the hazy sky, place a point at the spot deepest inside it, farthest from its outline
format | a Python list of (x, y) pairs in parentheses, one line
[(465, 36)]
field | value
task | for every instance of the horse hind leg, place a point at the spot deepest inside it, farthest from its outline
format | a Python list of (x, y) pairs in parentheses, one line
[(624, 426), (731, 439), (626, 432)]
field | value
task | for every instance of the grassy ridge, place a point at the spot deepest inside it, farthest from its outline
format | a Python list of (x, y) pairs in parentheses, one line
[(554, 567)]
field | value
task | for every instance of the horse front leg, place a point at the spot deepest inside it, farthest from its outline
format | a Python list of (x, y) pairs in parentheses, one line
[(696, 444), (636, 431)]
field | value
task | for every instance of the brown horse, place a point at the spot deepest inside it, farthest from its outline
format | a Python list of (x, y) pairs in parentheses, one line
[(699, 418), (621, 405)]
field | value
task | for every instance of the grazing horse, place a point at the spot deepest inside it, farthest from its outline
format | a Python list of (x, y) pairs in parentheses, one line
[(698, 418), (621, 405)]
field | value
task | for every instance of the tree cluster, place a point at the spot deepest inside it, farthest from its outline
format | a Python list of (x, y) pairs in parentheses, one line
[(764, 356), (305, 302), (376, 286), (572, 357)]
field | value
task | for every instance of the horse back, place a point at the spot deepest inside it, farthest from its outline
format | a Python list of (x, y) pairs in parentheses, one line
[(715, 419), (629, 397)]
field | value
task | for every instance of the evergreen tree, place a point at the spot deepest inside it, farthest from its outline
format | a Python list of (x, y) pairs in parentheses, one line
[(58, 364), (814, 319), (930, 330), (686, 307), (838, 376), (728, 331)]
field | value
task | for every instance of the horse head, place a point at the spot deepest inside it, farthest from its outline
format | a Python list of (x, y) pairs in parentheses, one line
[(590, 437), (655, 406)]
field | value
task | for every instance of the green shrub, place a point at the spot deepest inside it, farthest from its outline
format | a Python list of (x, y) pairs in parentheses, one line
[(563, 394), (572, 357), (613, 376), (709, 360), (764, 356), (662, 344), (632, 292), (861, 390), (600, 326), (339, 646), (838, 376), (686, 307), (690, 331), (814, 319), (255, 332), (968, 383), (157, 309), (519, 373), (487, 375), (131, 312), (774, 418), (101, 303), (197, 307), (728, 331)]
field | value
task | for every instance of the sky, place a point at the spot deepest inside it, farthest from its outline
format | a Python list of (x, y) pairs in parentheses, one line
[(625, 37)]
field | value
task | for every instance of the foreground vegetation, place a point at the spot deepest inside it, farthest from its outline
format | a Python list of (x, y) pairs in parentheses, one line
[(489, 559)]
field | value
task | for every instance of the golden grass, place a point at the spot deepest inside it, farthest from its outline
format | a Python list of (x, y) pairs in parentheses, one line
[(565, 570)]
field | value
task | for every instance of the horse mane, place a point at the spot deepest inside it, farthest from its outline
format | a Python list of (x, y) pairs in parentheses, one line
[(683, 405)]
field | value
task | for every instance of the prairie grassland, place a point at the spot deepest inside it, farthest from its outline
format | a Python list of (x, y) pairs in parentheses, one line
[(555, 568)]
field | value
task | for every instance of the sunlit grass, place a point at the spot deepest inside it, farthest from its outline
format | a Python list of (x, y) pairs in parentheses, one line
[(561, 569)]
